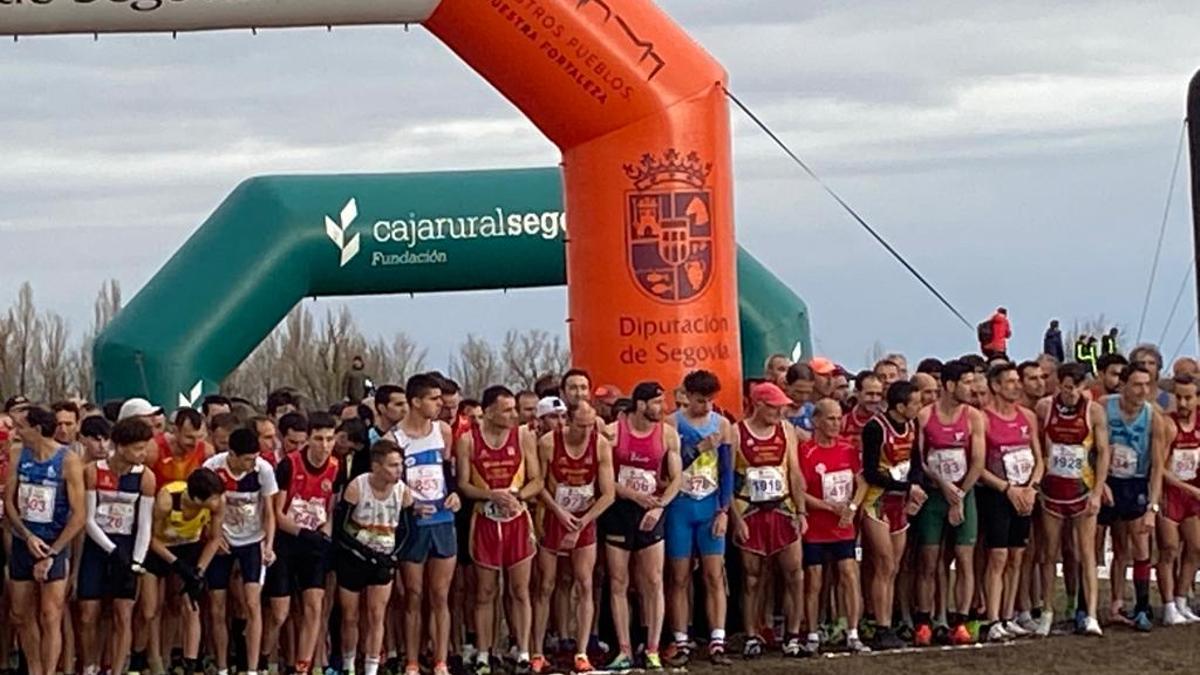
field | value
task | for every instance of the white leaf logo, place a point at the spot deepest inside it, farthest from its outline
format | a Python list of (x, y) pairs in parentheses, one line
[(192, 398), (337, 231)]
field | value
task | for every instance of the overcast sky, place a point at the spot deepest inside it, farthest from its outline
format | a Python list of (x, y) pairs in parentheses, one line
[(1018, 153)]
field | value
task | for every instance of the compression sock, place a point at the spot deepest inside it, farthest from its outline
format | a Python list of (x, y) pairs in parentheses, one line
[(371, 665), (1141, 585)]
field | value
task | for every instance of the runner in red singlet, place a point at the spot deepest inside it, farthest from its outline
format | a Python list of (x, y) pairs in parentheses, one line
[(1181, 510), (577, 465), (498, 467), (1075, 443), (870, 403), (176, 456)]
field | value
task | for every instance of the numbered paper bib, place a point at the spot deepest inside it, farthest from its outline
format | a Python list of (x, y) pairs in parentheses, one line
[(116, 517), (949, 464), (496, 512), (1124, 461), (383, 542), (427, 482), (837, 487), (899, 472), (700, 479), (1067, 461), (308, 515), (1184, 462), (766, 483), (641, 481), (242, 519), (574, 498), (37, 502), (1018, 464)]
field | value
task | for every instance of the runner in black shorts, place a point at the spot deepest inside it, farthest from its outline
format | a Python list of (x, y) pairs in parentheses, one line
[(120, 512)]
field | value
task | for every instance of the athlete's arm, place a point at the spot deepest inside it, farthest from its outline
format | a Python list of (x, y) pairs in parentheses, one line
[(214, 535), (533, 466), (872, 451), (93, 529), (162, 513), (1100, 442), (341, 531), (725, 467), (545, 453), (1035, 436), (267, 491), (947, 489), (978, 449), (1158, 455), (10, 497), (997, 483), (283, 477), (1042, 410), (795, 477), (145, 517), (604, 481), (674, 466), (327, 526), (464, 449), (449, 475), (73, 470)]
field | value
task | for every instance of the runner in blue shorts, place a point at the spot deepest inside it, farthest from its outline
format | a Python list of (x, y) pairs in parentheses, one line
[(697, 519)]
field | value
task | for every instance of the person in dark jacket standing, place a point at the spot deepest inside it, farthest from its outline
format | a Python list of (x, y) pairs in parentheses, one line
[(1108, 343), (1052, 342), (356, 384)]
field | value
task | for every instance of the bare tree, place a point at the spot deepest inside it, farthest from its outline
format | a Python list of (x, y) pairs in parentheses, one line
[(54, 358), (26, 343), (394, 362), (8, 375), (531, 354), (476, 366), (106, 306)]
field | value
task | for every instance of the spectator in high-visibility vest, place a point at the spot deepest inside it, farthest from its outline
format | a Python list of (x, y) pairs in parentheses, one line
[(1108, 343)]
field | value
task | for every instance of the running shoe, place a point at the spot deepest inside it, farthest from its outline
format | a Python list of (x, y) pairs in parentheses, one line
[(1092, 627), (621, 663), (1142, 622), (811, 647), (753, 648), (791, 646), (1081, 618), (997, 633), (1044, 623), (905, 632), (854, 644), (677, 654), (923, 637), (478, 667), (1014, 629), (1027, 622), (887, 638), (582, 664), (1171, 615), (941, 634), (717, 655), (960, 635), (867, 628), (974, 626), (538, 664), (1186, 612), (653, 661), (440, 668)]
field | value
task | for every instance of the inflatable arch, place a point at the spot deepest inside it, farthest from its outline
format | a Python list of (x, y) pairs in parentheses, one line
[(637, 108), (278, 239)]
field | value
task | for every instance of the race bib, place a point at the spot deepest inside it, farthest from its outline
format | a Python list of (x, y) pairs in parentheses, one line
[(243, 519), (498, 513), (1124, 461), (116, 517), (1183, 463), (949, 464), (1018, 464), (574, 498), (766, 483), (700, 479), (383, 542), (899, 472), (427, 482), (641, 481), (837, 487), (1067, 461), (37, 502), (308, 515)]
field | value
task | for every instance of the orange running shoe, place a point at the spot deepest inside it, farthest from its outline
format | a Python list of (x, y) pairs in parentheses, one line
[(582, 664), (538, 664), (923, 637), (961, 635)]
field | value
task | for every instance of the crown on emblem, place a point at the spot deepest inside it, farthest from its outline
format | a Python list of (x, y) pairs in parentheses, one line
[(675, 168)]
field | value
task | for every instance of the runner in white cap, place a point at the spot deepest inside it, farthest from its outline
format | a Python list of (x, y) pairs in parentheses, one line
[(551, 415)]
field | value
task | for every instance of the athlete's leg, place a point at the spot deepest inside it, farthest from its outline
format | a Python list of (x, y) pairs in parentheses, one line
[(441, 573), (993, 586), (348, 604), (928, 567), (414, 592), (1052, 535), (1084, 532), (89, 638), (877, 537), (122, 627), (252, 601), (850, 587), (1140, 548), (220, 628), (648, 566), (547, 581), (753, 568), (1013, 570), (280, 608), (25, 616), (1190, 559), (517, 580), (618, 591), (813, 582), (679, 576), (583, 564), (310, 625), (790, 561), (964, 576), (377, 602), (1168, 555), (53, 602), (1116, 573), (713, 568), (487, 588)]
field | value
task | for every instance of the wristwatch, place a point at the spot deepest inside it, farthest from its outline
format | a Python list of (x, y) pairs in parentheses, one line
[(1154, 508)]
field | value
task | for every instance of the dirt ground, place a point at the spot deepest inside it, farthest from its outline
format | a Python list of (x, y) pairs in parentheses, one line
[(1121, 650)]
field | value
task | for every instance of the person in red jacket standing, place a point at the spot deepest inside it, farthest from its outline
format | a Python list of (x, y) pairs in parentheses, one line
[(997, 342)]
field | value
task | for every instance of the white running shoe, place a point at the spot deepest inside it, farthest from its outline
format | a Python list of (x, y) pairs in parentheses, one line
[(1092, 627), (997, 633), (1186, 612), (1014, 629), (1044, 624), (1027, 622), (1171, 615)]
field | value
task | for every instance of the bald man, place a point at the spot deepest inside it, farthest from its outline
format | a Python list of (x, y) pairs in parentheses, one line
[(927, 387)]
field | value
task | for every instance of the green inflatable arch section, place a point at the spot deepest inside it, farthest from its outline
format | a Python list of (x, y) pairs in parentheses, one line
[(278, 239)]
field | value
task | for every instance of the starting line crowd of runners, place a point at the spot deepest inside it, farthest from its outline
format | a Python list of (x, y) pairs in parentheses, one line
[(419, 528)]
